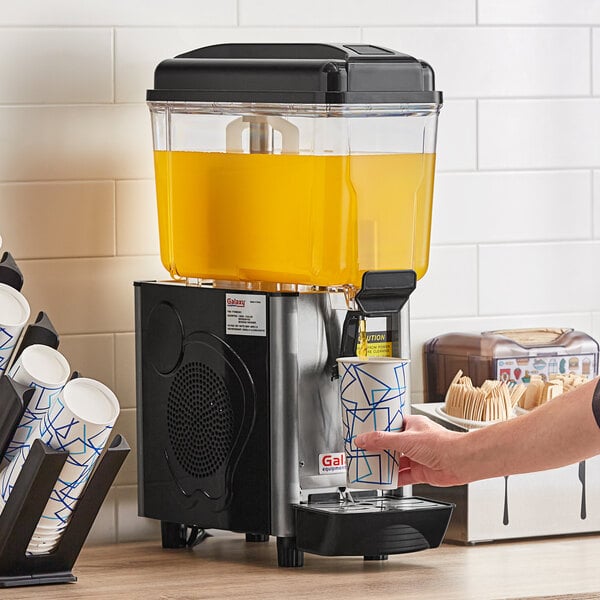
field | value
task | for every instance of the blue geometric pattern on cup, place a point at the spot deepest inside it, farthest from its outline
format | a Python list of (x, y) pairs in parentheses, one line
[(382, 414), (6, 347), (70, 435), (30, 421), (64, 496), (9, 475)]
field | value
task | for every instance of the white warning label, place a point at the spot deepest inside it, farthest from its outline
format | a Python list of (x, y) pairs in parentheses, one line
[(245, 314)]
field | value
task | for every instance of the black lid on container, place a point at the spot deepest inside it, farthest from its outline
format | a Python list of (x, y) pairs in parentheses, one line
[(295, 73)]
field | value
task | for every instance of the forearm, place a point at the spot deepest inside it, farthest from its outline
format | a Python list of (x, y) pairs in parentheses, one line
[(561, 432)]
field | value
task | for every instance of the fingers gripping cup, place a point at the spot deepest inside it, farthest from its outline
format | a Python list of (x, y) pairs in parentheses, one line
[(14, 313), (372, 395)]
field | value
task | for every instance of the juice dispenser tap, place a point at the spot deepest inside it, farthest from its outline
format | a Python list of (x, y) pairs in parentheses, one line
[(294, 188), (382, 294)]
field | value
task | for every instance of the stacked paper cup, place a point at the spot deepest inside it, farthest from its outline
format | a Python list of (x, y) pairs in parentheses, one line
[(46, 371), (14, 313), (79, 421)]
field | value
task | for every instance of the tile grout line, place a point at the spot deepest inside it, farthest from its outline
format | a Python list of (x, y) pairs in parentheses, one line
[(478, 279), (593, 204), (577, 313), (477, 109), (115, 228), (113, 65), (592, 62), (230, 26)]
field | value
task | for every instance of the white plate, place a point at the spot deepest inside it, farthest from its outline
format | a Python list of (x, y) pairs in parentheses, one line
[(464, 422)]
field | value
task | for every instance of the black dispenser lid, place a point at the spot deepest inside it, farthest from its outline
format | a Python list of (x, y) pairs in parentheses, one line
[(295, 73)]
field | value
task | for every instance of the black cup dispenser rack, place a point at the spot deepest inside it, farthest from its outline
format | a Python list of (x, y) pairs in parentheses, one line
[(30, 494), (40, 472)]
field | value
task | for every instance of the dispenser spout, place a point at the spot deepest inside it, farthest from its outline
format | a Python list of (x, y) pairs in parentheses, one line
[(385, 292), (382, 293)]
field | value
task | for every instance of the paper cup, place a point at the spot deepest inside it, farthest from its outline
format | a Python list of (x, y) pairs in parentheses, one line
[(42, 544), (41, 547), (14, 313), (372, 394), (79, 421), (9, 474), (45, 536), (45, 370), (8, 479)]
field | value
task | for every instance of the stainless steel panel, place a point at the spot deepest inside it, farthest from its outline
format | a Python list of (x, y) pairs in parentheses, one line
[(403, 325), (306, 417), (283, 364), (319, 414)]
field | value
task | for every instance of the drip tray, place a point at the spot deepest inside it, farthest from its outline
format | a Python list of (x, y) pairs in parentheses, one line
[(371, 527)]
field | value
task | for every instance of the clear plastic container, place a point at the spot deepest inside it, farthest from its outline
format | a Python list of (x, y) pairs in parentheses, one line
[(294, 191), (301, 194)]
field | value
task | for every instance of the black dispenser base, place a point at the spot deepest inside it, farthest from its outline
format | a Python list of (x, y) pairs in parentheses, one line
[(371, 527)]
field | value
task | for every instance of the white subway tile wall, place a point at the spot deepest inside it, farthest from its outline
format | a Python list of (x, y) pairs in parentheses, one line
[(538, 12), (539, 134), (516, 226), (316, 13), (496, 62)]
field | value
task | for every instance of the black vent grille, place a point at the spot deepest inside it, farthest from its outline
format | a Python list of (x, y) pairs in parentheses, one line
[(199, 419)]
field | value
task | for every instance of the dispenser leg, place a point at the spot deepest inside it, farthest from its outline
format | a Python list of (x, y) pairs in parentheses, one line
[(376, 557), (174, 535), (288, 554), (257, 537)]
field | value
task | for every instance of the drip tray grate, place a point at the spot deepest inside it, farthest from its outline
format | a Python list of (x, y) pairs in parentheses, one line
[(370, 527)]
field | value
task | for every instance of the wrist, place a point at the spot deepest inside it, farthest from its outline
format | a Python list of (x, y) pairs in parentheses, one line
[(473, 463)]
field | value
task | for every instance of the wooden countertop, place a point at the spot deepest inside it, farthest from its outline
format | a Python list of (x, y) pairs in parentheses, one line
[(225, 566)]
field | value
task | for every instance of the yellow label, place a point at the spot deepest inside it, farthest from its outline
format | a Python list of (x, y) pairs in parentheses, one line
[(379, 343), (379, 349)]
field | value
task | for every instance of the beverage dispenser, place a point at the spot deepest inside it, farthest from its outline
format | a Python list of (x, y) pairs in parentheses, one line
[(294, 186)]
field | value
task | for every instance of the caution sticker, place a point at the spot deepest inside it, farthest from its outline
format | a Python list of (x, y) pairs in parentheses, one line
[(379, 343)]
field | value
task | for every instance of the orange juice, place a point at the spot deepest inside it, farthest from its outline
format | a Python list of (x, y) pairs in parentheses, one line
[(292, 218)]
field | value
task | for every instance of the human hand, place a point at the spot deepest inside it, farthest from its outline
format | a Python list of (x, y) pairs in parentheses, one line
[(429, 453)]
